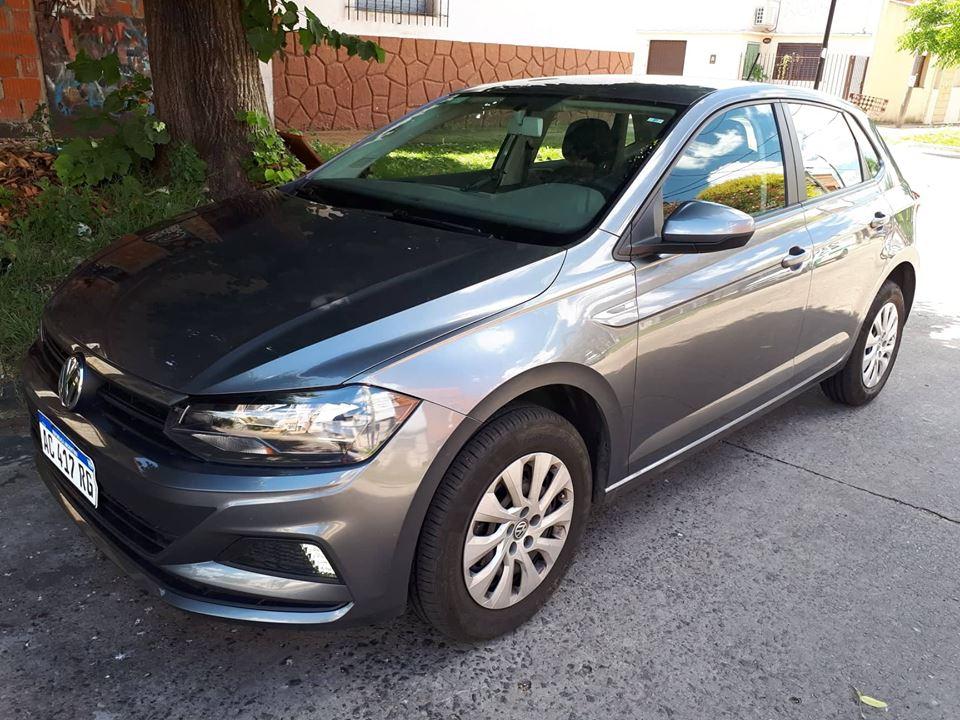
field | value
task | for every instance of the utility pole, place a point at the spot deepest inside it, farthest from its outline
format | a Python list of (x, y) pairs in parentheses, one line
[(823, 48)]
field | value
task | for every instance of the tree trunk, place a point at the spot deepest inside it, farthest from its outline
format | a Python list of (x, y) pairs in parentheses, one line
[(204, 72)]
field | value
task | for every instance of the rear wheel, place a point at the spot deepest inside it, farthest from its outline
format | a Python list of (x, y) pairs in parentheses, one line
[(503, 526), (875, 352)]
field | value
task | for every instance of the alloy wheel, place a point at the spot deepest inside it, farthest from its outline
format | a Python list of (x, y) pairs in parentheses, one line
[(518, 530), (880, 344)]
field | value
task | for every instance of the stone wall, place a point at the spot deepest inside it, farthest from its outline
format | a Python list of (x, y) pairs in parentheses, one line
[(329, 91)]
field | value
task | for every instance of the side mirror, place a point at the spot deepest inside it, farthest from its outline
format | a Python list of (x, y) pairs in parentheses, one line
[(698, 226)]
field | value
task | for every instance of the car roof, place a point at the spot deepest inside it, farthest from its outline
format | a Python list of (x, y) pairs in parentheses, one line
[(666, 89)]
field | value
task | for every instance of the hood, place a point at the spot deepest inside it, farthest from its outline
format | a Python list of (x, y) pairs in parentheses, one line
[(269, 291)]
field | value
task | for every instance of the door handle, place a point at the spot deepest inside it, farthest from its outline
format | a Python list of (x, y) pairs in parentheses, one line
[(794, 258), (879, 221)]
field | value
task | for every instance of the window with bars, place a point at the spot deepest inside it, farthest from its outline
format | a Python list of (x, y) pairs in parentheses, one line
[(409, 12)]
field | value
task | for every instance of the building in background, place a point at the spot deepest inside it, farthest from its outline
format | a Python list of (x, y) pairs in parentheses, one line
[(433, 46), (780, 41), (436, 46), (917, 88), (776, 40)]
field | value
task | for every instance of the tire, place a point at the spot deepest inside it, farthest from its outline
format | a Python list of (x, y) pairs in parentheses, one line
[(849, 386), (439, 589)]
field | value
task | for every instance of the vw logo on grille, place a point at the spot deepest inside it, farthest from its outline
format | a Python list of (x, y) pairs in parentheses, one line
[(70, 385)]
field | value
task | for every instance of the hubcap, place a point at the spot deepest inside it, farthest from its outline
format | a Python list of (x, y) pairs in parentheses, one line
[(518, 530), (880, 344)]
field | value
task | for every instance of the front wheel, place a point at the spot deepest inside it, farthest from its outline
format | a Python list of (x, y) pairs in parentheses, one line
[(875, 352), (503, 525)]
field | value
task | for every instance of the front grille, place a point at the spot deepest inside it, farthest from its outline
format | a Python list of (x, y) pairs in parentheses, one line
[(99, 519), (126, 410), (52, 356), (120, 521)]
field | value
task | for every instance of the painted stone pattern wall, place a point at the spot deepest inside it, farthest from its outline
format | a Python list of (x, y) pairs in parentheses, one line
[(20, 85), (329, 91), (98, 27)]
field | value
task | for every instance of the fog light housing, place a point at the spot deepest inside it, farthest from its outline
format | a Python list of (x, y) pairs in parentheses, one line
[(286, 558)]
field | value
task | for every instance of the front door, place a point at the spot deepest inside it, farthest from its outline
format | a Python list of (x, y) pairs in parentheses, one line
[(719, 331), (848, 218)]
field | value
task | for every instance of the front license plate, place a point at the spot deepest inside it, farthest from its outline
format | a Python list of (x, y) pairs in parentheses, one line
[(69, 459)]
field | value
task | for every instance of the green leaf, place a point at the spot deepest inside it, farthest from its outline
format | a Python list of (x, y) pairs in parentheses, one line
[(256, 13), (307, 39), (63, 166), (113, 103), (110, 68), (265, 42), (134, 136), (873, 702), (85, 68), (869, 701), (290, 16)]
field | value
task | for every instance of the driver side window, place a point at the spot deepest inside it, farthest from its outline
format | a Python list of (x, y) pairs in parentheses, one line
[(736, 160)]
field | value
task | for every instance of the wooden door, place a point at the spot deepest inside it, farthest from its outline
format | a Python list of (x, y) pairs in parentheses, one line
[(666, 57)]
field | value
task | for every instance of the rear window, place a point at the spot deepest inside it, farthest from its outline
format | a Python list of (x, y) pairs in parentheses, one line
[(871, 160), (831, 160)]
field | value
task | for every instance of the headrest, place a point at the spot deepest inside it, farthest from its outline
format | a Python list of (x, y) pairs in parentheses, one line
[(589, 139)]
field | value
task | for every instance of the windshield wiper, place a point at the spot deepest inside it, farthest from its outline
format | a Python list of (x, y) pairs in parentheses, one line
[(407, 216)]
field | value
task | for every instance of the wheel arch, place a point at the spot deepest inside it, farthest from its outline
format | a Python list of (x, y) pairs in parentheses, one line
[(582, 396), (905, 276), (563, 387)]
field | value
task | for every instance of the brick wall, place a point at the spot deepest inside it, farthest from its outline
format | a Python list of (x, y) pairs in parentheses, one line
[(329, 91), (21, 87)]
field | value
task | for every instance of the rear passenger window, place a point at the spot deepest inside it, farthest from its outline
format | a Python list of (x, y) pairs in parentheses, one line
[(870, 158), (831, 161), (736, 160)]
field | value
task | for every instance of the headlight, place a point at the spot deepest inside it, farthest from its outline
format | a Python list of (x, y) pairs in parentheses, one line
[(325, 427)]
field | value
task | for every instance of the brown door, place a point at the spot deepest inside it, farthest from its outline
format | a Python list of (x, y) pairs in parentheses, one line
[(666, 57)]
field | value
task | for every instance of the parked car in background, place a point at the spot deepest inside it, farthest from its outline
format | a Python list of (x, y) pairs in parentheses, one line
[(411, 374)]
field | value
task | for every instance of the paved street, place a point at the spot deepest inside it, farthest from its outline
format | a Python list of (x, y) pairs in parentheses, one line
[(813, 551)]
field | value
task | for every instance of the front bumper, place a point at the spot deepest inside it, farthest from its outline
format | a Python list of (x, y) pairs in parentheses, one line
[(168, 519)]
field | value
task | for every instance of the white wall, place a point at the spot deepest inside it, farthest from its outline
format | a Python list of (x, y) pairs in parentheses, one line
[(597, 25), (852, 17), (796, 17), (723, 28), (728, 49)]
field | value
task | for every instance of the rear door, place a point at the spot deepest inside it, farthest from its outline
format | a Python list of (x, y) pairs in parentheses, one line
[(719, 331), (848, 218)]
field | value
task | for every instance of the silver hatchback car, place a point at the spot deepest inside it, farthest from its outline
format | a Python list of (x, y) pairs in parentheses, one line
[(409, 375)]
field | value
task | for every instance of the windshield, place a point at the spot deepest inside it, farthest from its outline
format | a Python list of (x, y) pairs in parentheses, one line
[(536, 167)]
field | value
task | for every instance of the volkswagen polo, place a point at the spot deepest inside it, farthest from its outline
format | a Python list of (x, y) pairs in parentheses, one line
[(406, 377)]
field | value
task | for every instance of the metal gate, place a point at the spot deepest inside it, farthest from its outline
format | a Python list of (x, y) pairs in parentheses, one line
[(843, 74)]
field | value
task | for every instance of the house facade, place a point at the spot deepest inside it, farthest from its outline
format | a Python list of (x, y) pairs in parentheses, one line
[(740, 38), (433, 47), (918, 89), (781, 40), (437, 46)]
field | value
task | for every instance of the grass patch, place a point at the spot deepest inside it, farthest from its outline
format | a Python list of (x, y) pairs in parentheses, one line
[(950, 138), (63, 227), (437, 157)]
